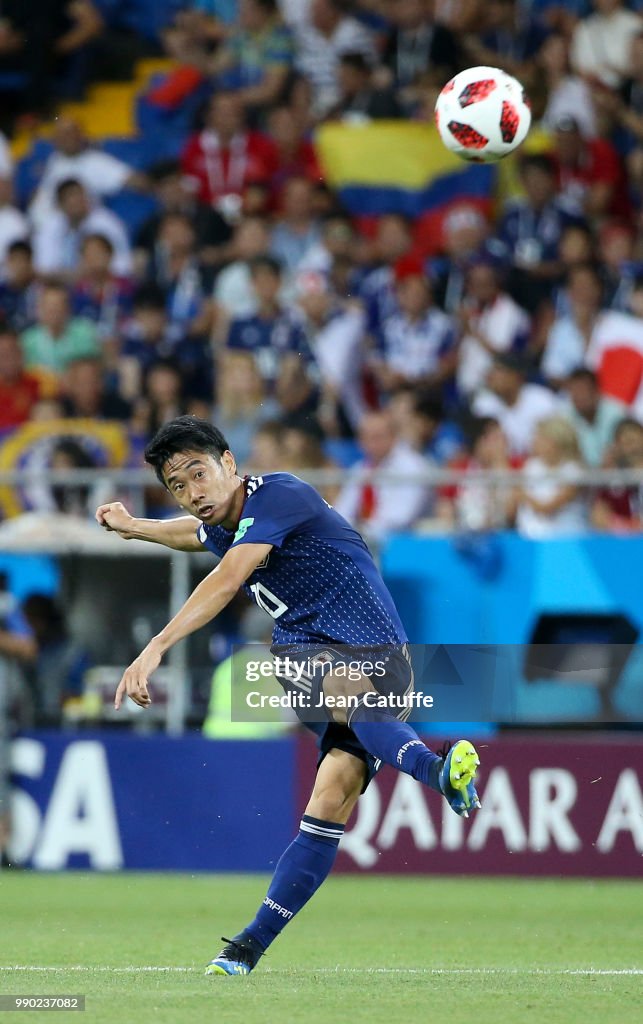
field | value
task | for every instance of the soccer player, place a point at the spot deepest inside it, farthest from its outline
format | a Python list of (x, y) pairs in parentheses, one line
[(303, 563)]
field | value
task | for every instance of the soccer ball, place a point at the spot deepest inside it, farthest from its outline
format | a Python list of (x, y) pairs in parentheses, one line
[(482, 114)]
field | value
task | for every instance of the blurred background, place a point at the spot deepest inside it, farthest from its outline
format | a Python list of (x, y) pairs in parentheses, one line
[(241, 209)]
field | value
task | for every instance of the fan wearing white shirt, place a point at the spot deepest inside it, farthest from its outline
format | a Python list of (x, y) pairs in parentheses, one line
[(417, 341), (571, 335), (57, 242), (73, 157), (552, 503), (491, 322), (376, 507), (517, 405), (322, 37), (601, 43)]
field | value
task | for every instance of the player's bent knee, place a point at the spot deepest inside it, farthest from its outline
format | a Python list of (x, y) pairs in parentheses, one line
[(337, 787)]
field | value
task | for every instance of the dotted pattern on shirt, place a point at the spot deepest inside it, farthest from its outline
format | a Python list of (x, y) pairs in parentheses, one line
[(327, 596)]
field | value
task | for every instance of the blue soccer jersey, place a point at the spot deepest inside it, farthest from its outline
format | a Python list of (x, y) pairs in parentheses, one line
[(319, 582)]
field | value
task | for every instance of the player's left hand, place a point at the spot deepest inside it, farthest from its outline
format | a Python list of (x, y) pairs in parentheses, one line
[(134, 681)]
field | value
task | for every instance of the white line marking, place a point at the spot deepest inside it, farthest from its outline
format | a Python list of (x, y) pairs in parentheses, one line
[(603, 972)]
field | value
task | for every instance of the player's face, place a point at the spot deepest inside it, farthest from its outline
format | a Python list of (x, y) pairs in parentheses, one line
[(204, 487)]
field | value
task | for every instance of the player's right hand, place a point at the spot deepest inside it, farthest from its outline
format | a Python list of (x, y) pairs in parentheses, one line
[(114, 516)]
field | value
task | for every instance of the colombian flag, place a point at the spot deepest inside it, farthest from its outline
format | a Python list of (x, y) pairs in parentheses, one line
[(400, 167)]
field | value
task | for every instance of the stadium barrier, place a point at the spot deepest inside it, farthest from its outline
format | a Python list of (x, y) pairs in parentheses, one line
[(564, 806)]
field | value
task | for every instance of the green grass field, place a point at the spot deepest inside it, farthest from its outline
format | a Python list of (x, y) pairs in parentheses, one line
[(366, 951)]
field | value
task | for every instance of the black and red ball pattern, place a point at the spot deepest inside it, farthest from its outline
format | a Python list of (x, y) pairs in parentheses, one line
[(467, 136), (509, 121), (476, 91)]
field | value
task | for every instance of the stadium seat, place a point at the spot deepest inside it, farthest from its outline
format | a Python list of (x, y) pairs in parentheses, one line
[(343, 451), (133, 208), (29, 170)]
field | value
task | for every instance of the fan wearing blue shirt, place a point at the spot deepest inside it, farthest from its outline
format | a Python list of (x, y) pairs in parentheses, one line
[(312, 572), (270, 333)]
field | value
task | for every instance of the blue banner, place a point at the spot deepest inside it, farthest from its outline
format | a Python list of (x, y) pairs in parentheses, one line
[(108, 801)]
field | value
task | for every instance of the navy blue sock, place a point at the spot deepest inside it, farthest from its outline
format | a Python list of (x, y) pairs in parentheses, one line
[(301, 869), (395, 743)]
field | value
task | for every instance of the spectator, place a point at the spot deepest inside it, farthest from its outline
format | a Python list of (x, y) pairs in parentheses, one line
[(417, 44), (171, 191), (334, 331), (270, 334), (464, 231), (146, 338), (296, 232), (379, 507), (224, 158), (74, 159), (601, 43), (625, 109), (517, 405), (567, 95), (296, 392), (393, 241), (323, 34), (57, 338), (337, 242), (506, 38), (20, 390), (531, 229), (242, 401), (19, 287), (360, 97), (187, 285), (69, 499), (593, 416), (572, 334), (266, 453), (296, 156), (619, 267), (416, 343), (58, 663), (420, 421), (58, 241), (14, 226), (490, 322), (99, 295), (617, 508), (551, 503), (84, 395), (257, 58), (162, 398), (590, 176), (480, 504), (233, 293)]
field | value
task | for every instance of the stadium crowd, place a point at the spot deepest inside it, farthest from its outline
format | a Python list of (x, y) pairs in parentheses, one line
[(315, 339)]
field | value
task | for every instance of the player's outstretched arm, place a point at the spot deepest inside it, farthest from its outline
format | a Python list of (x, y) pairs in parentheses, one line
[(179, 533), (203, 604)]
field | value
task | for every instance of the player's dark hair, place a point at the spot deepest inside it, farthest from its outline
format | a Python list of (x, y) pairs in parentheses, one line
[(184, 434)]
